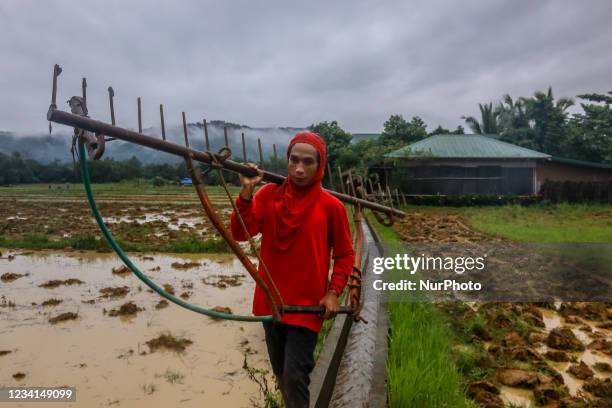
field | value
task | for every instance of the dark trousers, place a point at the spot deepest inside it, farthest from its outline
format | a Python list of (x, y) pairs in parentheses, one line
[(290, 349)]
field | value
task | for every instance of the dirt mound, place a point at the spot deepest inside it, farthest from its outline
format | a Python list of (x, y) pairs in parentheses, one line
[(121, 270), (603, 367), (162, 304), (514, 377), (223, 281), (169, 342), (556, 355), (52, 302), (603, 345), (599, 388), (116, 292), (126, 309), (169, 288), (433, 227), (185, 265), (55, 283), (562, 338), (580, 371), (221, 309), (587, 310), (9, 277), (486, 394), (63, 317)]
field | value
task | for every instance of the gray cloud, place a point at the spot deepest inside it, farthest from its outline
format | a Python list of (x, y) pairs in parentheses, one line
[(278, 63)]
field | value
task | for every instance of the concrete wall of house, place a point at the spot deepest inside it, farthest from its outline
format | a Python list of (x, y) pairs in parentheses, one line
[(553, 171)]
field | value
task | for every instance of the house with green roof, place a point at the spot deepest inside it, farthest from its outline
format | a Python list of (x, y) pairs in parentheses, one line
[(478, 164)]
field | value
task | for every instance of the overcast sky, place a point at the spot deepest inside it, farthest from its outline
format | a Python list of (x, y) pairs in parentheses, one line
[(280, 63)]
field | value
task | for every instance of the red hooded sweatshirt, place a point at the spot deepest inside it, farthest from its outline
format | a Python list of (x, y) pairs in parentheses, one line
[(302, 229)]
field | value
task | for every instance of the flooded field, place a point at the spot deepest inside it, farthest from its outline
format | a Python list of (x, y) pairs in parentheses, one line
[(75, 318)]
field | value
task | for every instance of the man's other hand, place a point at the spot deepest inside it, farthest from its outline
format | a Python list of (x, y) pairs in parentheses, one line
[(249, 183), (330, 302)]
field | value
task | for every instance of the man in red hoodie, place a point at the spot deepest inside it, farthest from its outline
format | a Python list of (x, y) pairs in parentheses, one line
[(303, 228)]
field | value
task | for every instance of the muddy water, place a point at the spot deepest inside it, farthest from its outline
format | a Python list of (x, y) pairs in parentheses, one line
[(105, 357), (173, 220)]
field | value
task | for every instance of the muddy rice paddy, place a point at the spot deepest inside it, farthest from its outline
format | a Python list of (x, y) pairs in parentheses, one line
[(522, 354), (73, 319), (145, 223)]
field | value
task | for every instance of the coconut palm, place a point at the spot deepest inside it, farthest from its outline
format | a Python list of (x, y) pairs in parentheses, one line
[(511, 115), (548, 119), (488, 124)]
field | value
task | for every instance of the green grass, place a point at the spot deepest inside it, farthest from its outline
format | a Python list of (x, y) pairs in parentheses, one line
[(544, 223), (421, 369), (69, 191), (191, 244)]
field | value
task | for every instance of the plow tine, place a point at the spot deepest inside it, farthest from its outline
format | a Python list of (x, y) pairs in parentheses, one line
[(84, 88), (390, 196), (331, 177), (139, 117), (341, 181), (260, 152), (225, 136), (111, 95), (371, 187), (185, 131), (163, 126), (244, 154), (206, 136), (362, 187), (352, 186), (56, 72)]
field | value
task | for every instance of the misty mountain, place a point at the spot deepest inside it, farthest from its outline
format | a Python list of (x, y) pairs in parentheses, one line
[(46, 148)]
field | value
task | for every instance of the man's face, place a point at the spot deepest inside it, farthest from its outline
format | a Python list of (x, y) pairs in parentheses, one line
[(303, 164)]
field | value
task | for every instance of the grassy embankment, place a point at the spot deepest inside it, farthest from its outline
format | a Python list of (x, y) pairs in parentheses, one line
[(421, 370), (551, 223)]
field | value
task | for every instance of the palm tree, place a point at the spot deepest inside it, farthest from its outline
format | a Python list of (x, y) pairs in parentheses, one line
[(488, 124), (511, 115), (547, 118)]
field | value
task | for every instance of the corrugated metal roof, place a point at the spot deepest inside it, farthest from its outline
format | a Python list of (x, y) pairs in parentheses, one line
[(582, 163), (466, 146)]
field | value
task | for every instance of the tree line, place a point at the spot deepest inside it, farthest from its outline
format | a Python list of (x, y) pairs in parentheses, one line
[(538, 122), (16, 169)]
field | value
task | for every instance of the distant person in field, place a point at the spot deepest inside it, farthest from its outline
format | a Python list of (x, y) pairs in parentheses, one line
[(303, 228)]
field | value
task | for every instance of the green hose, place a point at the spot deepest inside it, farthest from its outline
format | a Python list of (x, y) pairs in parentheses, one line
[(109, 237)]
